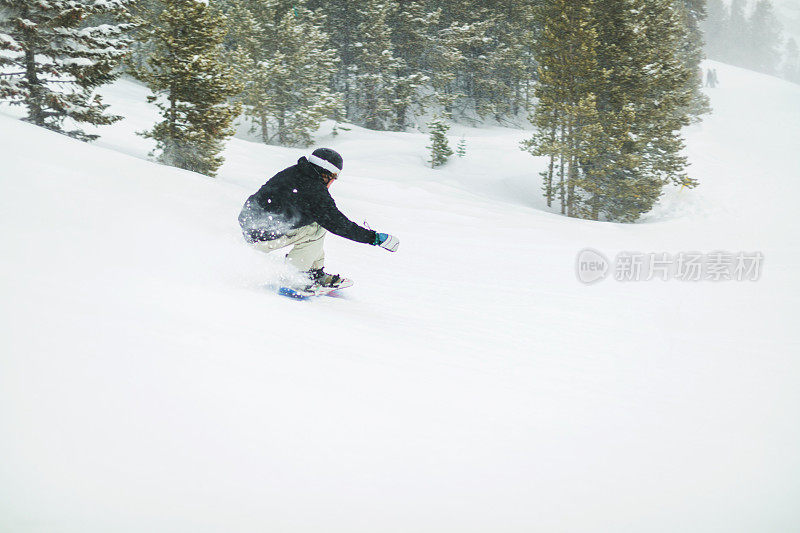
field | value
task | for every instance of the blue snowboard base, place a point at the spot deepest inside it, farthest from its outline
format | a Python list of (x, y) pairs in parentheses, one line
[(303, 295), (291, 293)]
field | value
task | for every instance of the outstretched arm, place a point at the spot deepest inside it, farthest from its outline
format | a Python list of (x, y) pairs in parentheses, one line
[(329, 217)]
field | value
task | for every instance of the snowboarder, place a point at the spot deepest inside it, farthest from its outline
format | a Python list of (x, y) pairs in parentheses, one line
[(711, 78), (294, 208)]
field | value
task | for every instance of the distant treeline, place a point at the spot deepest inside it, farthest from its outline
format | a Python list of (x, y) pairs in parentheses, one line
[(752, 38), (609, 84)]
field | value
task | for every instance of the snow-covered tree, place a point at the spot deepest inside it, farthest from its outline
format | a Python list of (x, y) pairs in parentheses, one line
[(144, 14), (52, 59), (763, 39), (191, 86), (393, 50), (714, 29), (791, 61), (649, 92), (691, 14), (284, 59), (736, 34), (440, 150), (751, 40), (374, 78), (567, 58), (609, 117), (340, 21), (414, 42), (496, 61), (471, 59), (461, 147)]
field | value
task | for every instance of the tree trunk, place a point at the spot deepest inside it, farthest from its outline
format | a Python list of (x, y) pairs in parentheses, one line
[(561, 193), (263, 122), (548, 182), (282, 136), (171, 146), (573, 176), (35, 103)]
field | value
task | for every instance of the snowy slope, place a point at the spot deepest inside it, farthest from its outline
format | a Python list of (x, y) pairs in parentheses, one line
[(469, 382)]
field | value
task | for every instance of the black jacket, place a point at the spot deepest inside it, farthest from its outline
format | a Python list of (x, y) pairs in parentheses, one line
[(293, 198)]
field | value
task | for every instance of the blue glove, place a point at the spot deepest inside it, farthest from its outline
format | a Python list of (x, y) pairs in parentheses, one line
[(389, 242)]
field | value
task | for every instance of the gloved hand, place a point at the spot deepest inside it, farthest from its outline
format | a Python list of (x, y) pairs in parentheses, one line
[(384, 240)]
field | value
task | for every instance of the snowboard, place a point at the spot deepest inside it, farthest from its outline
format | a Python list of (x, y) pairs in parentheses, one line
[(300, 294)]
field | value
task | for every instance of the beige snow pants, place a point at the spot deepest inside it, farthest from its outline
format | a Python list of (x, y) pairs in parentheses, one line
[(307, 252)]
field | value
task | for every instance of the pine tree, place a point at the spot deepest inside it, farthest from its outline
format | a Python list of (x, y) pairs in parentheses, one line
[(414, 43), (714, 29), (565, 116), (736, 33), (52, 59), (649, 91), (144, 14), (469, 58), (764, 39), (243, 32), (691, 14), (273, 47), (374, 74), (440, 146), (425, 43), (609, 117), (450, 79), (461, 147), (751, 42), (340, 23), (299, 77), (514, 32), (191, 86), (375, 84), (493, 39), (791, 62)]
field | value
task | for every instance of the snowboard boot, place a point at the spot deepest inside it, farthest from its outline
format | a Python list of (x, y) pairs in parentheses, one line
[(320, 278)]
